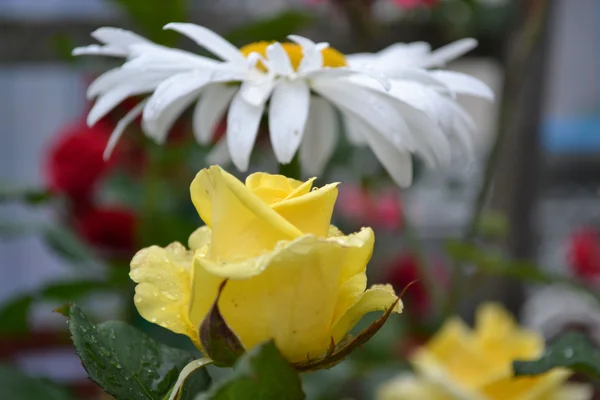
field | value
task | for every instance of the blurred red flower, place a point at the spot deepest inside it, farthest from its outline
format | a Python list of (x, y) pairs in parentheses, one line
[(403, 271), (75, 163), (380, 209), (584, 252), (110, 229)]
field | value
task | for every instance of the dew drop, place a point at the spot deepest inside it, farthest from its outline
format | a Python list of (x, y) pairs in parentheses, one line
[(168, 295), (153, 319), (137, 300), (568, 353), (163, 308)]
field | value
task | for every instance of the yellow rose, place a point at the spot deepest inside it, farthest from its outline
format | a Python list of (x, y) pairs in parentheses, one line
[(291, 277), (460, 363)]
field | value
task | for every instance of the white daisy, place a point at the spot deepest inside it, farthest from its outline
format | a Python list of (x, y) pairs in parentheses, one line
[(305, 82), (398, 60)]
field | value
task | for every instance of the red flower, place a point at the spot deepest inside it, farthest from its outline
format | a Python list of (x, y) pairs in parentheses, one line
[(584, 252), (402, 272), (110, 229), (75, 163), (379, 209)]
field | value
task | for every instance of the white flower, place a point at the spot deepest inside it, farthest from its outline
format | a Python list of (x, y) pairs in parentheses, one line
[(399, 61), (305, 84)]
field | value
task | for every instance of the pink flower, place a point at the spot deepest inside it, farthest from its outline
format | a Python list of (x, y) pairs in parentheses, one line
[(380, 209)]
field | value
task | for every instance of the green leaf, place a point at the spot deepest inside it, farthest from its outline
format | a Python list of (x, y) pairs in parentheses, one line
[(63, 47), (73, 290), (29, 196), (262, 373), (11, 229), (493, 224), (151, 16), (496, 264), (273, 28), (573, 350), (15, 385), (66, 244), (14, 316), (127, 363)]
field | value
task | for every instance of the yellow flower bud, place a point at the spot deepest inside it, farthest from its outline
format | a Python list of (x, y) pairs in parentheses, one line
[(291, 276), (463, 363)]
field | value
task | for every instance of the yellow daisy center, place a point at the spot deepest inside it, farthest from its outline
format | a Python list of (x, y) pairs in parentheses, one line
[(331, 57)]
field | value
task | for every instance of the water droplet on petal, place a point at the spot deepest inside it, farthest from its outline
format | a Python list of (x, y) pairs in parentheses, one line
[(568, 353), (168, 295), (152, 319)]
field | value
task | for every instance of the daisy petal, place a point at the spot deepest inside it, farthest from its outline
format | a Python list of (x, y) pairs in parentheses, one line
[(463, 129), (172, 89), (149, 59), (115, 96), (320, 137), (464, 84), (209, 40), (158, 128), (398, 163), (279, 60), (99, 50), (432, 143), (405, 52), (119, 76), (441, 56), (301, 40), (256, 92), (219, 154), (371, 106), (415, 103), (243, 120), (210, 109), (355, 133), (377, 77), (120, 128), (287, 117), (117, 36)]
